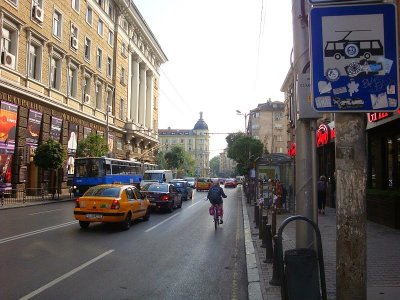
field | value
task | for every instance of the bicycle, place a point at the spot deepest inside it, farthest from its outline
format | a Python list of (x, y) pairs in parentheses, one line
[(216, 212)]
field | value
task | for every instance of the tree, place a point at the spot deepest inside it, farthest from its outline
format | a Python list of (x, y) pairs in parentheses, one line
[(243, 149), (51, 156), (214, 166), (160, 160), (175, 157), (92, 146)]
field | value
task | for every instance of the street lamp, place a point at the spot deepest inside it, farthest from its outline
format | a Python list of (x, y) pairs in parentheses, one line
[(238, 112)]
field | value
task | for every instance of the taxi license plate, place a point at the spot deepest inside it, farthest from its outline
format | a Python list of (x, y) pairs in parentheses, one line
[(94, 216)]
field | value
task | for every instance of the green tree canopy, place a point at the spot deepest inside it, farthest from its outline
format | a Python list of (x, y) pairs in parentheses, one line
[(92, 146), (214, 166), (243, 149), (175, 157), (50, 155)]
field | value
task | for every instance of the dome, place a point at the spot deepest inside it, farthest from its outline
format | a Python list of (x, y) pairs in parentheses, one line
[(201, 125)]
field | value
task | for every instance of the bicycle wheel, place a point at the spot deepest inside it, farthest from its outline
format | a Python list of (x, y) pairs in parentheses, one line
[(216, 219)]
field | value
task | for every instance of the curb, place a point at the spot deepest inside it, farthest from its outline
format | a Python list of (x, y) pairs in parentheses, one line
[(253, 277)]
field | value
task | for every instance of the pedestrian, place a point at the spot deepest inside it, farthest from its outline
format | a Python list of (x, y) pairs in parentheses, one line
[(321, 188)]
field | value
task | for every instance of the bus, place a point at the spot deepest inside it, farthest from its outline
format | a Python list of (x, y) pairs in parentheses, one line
[(91, 171)]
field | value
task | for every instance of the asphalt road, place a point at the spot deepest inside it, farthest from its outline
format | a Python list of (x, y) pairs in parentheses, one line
[(44, 254)]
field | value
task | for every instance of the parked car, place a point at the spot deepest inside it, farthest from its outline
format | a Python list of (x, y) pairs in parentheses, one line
[(184, 188), (162, 196), (111, 203), (191, 181), (203, 184), (230, 183)]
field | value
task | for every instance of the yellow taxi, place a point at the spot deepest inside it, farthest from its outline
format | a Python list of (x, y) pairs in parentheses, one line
[(203, 184), (111, 203)]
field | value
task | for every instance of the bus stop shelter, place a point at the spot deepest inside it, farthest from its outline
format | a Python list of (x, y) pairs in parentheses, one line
[(277, 166)]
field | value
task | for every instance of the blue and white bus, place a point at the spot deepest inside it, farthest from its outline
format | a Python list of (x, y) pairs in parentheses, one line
[(91, 171)]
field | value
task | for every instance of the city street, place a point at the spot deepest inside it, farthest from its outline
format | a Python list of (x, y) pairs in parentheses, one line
[(44, 254)]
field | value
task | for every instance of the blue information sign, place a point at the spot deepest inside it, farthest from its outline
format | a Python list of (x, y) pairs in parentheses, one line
[(354, 58)]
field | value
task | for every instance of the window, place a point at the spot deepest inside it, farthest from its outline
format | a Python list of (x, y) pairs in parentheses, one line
[(72, 80), (55, 72), (88, 48), (74, 37), (99, 95), (123, 74), (57, 24), (86, 88), (9, 42), (35, 60), (111, 38), (123, 49), (100, 27), (99, 58), (37, 12), (109, 66), (89, 15), (75, 5), (110, 10)]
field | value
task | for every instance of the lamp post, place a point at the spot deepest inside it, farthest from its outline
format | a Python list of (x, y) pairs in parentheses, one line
[(238, 112)]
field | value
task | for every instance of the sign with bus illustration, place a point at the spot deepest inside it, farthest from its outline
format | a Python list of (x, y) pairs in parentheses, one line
[(354, 58)]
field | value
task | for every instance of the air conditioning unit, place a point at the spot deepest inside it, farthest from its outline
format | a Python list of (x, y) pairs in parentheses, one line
[(8, 59), (37, 13), (86, 99), (74, 43)]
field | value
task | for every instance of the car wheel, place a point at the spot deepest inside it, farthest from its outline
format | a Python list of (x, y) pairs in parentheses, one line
[(147, 215), (126, 224), (84, 224)]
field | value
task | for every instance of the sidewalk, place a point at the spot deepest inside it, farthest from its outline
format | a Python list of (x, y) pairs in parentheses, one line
[(383, 256), (20, 203)]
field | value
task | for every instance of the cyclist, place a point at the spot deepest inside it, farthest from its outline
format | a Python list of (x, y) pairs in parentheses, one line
[(215, 195)]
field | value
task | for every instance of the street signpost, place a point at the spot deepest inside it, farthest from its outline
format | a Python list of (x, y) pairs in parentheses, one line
[(354, 62)]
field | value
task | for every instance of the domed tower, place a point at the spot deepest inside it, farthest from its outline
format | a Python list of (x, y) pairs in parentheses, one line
[(201, 147)]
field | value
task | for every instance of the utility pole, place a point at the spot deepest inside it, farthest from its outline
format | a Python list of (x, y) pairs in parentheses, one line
[(351, 235), (304, 135)]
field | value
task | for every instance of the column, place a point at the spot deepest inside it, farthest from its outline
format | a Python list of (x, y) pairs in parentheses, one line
[(149, 100), (134, 99), (142, 93)]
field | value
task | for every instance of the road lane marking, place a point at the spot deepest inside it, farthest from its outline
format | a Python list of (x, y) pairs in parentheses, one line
[(23, 235), (65, 276), (45, 212), (193, 204), (155, 226)]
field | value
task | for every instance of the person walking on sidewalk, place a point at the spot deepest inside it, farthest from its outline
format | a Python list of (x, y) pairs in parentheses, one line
[(321, 188)]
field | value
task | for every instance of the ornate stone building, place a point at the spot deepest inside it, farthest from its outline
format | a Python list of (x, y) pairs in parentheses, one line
[(69, 68), (268, 124), (195, 141)]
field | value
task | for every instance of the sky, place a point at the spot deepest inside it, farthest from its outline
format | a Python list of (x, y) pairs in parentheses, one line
[(223, 56)]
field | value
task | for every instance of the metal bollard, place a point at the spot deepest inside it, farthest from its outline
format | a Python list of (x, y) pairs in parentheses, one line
[(273, 221), (260, 223), (256, 217), (268, 245), (264, 231), (276, 270)]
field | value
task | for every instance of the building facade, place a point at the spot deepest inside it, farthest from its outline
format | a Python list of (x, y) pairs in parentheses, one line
[(194, 141), (227, 166), (267, 123), (69, 68)]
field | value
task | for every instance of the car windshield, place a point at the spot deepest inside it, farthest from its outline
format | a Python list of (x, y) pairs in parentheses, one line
[(202, 180), (103, 191), (153, 176), (178, 184), (156, 188)]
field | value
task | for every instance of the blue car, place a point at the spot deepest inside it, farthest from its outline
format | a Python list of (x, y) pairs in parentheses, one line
[(183, 188)]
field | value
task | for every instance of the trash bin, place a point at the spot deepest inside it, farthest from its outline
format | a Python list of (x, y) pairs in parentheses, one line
[(301, 274)]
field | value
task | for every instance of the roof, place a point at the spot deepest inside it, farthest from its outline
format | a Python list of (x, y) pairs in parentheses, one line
[(201, 125)]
